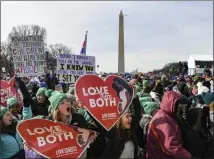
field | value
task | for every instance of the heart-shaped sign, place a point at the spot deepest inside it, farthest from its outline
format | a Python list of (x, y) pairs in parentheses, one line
[(8, 90), (53, 139), (106, 100)]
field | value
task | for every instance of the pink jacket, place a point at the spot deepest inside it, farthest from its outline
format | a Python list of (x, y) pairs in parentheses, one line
[(164, 139)]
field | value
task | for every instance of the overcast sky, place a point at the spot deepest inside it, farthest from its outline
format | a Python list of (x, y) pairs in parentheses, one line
[(155, 32)]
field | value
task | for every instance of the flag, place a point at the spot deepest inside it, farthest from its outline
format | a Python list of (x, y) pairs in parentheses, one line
[(83, 50)]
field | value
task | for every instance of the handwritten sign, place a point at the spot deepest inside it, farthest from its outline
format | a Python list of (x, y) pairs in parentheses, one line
[(105, 100), (70, 66), (53, 139), (28, 55)]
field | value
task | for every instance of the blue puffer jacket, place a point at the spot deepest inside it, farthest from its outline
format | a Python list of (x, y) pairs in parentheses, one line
[(10, 145)]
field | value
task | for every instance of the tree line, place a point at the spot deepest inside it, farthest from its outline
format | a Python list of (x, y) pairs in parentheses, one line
[(51, 50)]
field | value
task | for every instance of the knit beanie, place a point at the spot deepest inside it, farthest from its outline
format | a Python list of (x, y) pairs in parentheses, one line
[(48, 92), (43, 85), (3, 110), (145, 83), (139, 94), (11, 101), (143, 100), (40, 91), (56, 98), (208, 98), (149, 107), (49, 109), (138, 88)]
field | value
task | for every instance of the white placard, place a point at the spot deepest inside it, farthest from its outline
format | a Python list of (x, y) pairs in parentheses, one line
[(70, 66), (28, 55)]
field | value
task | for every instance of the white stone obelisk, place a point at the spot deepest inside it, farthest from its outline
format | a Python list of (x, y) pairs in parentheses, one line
[(121, 60)]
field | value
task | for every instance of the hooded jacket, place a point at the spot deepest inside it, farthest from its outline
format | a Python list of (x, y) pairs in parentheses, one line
[(164, 140)]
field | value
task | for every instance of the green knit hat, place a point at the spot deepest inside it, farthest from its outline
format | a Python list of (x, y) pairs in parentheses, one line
[(143, 100), (149, 107), (40, 91), (56, 98), (48, 92), (3, 110), (145, 83), (11, 102), (139, 94), (138, 88), (49, 109)]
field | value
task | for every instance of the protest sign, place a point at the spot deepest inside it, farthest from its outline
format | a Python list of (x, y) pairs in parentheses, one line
[(105, 100), (28, 55), (54, 139), (8, 90), (70, 67)]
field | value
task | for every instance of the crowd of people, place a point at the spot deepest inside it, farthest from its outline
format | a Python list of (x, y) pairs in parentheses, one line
[(167, 119)]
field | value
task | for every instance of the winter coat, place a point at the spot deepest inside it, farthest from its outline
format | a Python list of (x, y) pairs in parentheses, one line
[(37, 108), (11, 145), (108, 146), (88, 118), (144, 125), (164, 140), (197, 134)]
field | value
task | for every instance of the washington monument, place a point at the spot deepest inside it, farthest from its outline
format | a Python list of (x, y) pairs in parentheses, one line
[(121, 60)]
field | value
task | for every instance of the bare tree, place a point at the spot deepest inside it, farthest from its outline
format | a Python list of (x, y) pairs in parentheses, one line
[(52, 51), (6, 58), (55, 49), (25, 30)]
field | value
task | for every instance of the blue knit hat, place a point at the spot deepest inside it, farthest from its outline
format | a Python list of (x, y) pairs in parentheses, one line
[(43, 85)]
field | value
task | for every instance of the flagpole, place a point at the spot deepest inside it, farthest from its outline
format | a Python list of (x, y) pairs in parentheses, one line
[(86, 34)]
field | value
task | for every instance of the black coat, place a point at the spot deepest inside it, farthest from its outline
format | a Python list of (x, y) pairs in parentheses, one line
[(79, 121), (195, 140), (37, 108), (105, 145)]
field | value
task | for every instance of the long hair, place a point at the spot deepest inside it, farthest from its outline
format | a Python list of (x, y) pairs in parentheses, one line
[(11, 129), (121, 134)]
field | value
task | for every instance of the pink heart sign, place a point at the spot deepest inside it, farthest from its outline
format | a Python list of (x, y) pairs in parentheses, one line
[(106, 100), (53, 139)]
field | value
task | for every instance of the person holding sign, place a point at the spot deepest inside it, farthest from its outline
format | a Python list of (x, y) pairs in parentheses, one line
[(63, 112), (40, 103), (121, 140), (11, 145)]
